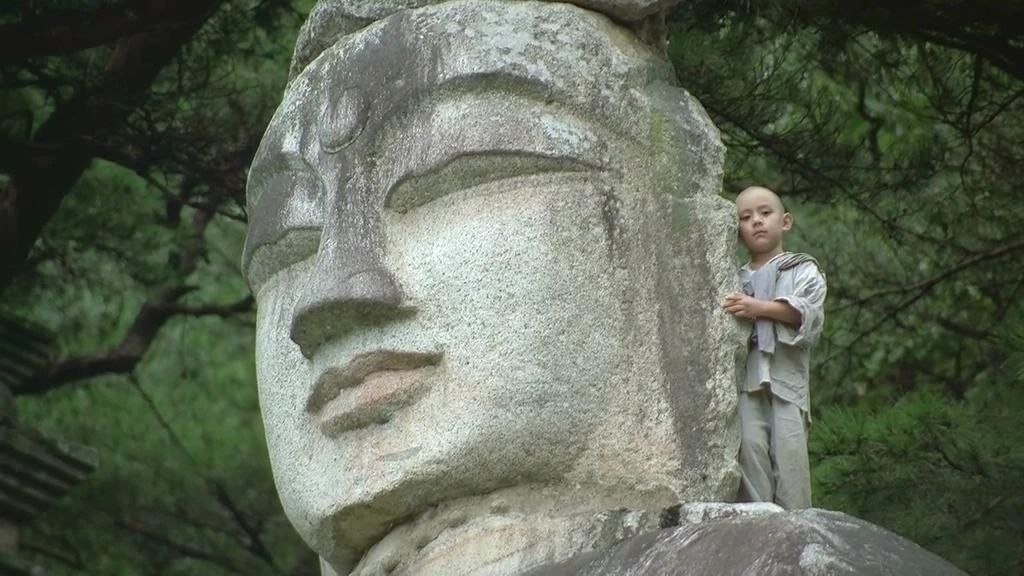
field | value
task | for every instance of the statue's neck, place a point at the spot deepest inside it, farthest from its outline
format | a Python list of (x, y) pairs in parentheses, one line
[(509, 532)]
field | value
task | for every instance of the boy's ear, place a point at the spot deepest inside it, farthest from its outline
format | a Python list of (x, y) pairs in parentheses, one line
[(787, 221)]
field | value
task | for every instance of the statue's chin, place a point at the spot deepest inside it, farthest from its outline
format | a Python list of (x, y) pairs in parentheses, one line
[(511, 530), (342, 524)]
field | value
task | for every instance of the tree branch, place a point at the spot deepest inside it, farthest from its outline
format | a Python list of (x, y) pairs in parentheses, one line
[(930, 282), (71, 559), (154, 313), (68, 31), (182, 548), (251, 540), (921, 289), (122, 358), (61, 151), (221, 310), (991, 29)]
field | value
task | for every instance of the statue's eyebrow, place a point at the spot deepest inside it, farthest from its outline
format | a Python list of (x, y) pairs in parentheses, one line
[(496, 131), (272, 191), (508, 83), (271, 164)]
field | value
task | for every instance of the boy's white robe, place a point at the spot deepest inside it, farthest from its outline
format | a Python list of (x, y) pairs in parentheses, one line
[(773, 451), (786, 372)]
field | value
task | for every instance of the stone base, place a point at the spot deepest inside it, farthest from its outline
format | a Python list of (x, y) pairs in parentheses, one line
[(734, 539)]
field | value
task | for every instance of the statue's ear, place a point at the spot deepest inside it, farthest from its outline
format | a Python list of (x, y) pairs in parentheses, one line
[(325, 569)]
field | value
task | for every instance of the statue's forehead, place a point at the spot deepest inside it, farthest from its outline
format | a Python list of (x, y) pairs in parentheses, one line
[(551, 52), (330, 20), (461, 78)]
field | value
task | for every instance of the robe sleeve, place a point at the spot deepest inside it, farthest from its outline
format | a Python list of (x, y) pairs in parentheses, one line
[(808, 297)]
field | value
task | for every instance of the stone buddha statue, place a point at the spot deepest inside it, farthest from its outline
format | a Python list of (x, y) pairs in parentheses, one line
[(487, 251)]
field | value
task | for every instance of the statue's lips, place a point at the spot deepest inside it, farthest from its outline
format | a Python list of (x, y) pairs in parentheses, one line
[(369, 389)]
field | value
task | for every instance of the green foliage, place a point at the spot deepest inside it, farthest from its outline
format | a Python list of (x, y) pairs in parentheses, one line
[(183, 484), (189, 427), (898, 158), (941, 472), (173, 437)]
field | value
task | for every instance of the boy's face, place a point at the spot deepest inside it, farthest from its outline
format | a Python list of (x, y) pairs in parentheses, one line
[(762, 220)]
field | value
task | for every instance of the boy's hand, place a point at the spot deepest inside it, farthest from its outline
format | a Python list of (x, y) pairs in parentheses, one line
[(742, 306)]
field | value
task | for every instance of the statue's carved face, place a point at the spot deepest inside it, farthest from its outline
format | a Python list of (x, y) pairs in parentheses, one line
[(439, 235)]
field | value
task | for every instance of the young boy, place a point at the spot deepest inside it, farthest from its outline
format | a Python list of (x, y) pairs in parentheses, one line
[(784, 295)]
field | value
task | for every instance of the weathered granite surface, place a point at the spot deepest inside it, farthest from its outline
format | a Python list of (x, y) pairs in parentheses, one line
[(487, 251), (770, 543), (330, 20)]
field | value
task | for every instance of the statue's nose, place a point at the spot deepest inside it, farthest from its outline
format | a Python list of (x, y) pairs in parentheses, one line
[(349, 283), (337, 300)]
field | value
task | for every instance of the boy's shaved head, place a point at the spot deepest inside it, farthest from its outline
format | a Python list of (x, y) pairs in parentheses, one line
[(762, 222), (761, 191)]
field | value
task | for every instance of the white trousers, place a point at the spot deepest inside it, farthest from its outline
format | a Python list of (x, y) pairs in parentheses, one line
[(773, 451)]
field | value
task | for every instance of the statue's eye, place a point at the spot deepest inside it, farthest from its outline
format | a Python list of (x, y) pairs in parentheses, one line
[(271, 258), (284, 224), (471, 170)]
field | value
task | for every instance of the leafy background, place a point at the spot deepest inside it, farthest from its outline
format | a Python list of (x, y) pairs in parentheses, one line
[(894, 133)]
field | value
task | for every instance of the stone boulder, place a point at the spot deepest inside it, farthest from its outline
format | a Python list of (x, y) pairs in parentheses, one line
[(761, 540)]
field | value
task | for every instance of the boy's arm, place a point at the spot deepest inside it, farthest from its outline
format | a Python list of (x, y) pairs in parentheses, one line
[(780, 310), (743, 306), (808, 300)]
